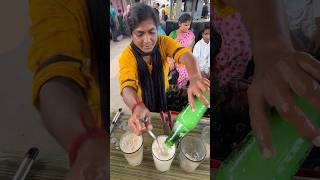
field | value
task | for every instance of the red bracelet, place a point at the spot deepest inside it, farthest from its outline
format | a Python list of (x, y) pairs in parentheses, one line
[(94, 133), (135, 105)]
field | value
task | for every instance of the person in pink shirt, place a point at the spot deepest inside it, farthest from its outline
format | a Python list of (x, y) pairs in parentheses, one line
[(186, 38), (235, 51)]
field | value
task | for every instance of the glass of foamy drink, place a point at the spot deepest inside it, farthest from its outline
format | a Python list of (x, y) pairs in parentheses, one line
[(192, 153), (132, 147), (162, 155)]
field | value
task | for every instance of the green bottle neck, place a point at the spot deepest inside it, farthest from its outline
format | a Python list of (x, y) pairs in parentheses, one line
[(174, 135)]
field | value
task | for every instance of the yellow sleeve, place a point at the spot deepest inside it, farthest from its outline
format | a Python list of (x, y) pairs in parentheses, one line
[(172, 48), (55, 32), (128, 74)]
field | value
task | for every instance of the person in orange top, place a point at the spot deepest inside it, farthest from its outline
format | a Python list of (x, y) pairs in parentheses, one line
[(65, 85), (144, 69)]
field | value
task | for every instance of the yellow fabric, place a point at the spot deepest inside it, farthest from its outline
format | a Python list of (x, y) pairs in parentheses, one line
[(222, 9), (60, 27), (128, 65), (167, 10)]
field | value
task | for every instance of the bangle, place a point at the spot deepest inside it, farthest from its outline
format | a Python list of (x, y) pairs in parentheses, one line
[(135, 105), (93, 133)]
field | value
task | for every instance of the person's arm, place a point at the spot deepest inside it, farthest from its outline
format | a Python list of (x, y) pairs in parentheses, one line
[(192, 44), (139, 111), (198, 84), (62, 105), (128, 90), (191, 64), (279, 66), (59, 86)]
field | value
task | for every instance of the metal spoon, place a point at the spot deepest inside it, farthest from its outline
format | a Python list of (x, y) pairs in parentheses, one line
[(145, 120)]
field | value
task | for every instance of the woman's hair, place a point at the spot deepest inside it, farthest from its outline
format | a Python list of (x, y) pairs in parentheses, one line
[(184, 18), (139, 13)]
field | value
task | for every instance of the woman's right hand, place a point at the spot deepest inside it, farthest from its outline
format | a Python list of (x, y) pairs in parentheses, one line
[(135, 123), (279, 75), (92, 162)]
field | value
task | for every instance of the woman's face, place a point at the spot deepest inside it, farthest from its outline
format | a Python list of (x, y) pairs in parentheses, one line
[(145, 35), (184, 26)]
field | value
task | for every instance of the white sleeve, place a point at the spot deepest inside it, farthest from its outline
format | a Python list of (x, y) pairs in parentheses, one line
[(196, 51), (316, 8)]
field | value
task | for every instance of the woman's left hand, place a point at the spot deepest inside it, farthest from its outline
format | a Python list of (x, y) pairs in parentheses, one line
[(198, 86)]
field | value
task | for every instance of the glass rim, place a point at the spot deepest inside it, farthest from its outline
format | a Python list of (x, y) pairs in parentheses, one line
[(133, 151), (201, 142), (164, 159), (205, 137)]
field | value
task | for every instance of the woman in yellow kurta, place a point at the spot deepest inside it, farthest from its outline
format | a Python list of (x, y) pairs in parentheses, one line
[(144, 69), (65, 89)]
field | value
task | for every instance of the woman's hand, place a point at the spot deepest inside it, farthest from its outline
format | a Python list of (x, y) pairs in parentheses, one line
[(198, 85), (135, 123), (279, 75), (91, 162)]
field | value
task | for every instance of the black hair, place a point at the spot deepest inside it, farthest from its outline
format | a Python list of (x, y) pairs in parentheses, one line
[(184, 18), (152, 85), (207, 26), (119, 10), (139, 13), (158, 4), (163, 5)]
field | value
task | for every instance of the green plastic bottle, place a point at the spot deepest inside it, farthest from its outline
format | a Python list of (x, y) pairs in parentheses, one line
[(291, 151), (186, 121)]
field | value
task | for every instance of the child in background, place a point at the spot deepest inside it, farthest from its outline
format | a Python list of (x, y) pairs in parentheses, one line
[(201, 51)]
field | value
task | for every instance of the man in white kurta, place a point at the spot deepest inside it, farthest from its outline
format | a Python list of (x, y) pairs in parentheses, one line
[(201, 51)]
